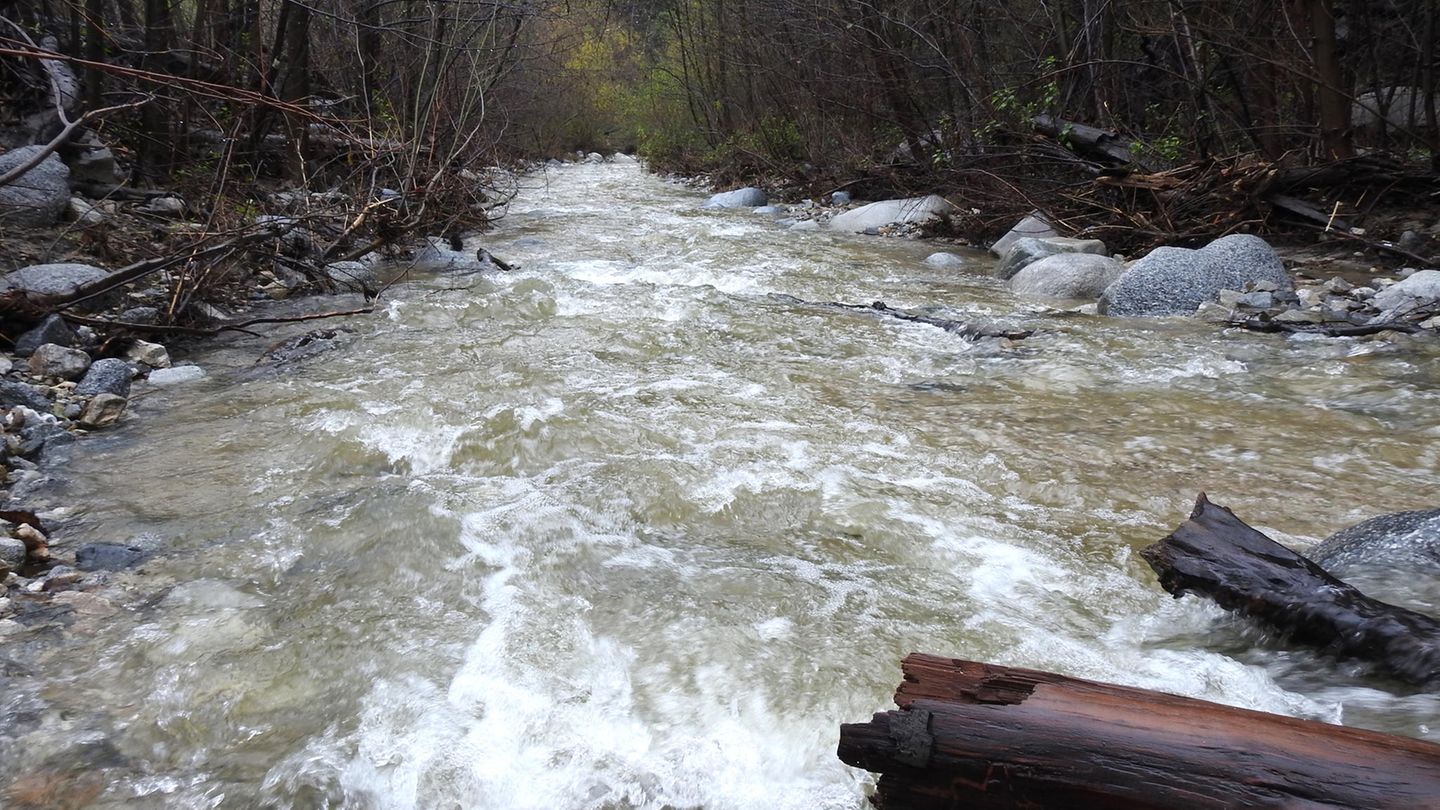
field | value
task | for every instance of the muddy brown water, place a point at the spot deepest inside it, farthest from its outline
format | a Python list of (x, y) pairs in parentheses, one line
[(619, 529)]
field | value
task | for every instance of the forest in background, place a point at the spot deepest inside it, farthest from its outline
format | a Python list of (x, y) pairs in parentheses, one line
[(1142, 122)]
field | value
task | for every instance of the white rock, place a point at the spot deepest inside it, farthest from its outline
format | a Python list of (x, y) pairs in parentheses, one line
[(176, 375), (945, 261), (1417, 290), (914, 210)]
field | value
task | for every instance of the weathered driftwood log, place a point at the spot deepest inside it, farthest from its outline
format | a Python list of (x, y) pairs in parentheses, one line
[(881, 309), (972, 735), (1216, 555)]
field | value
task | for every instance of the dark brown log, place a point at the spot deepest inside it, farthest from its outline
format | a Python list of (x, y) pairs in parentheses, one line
[(972, 735), (880, 309), (1216, 555)]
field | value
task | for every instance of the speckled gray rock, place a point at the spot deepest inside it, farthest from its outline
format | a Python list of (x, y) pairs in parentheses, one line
[(51, 361), (37, 197), (1033, 227), (912, 210), (840, 198), (1028, 250), (53, 329), (1176, 281), (51, 279), (109, 376), (12, 552), (1068, 275), (748, 197), (17, 393), (1404, 541)]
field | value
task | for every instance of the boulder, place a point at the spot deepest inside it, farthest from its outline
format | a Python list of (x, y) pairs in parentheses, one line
[(53, 329), (840, 198), (1028, 250), (102, 411), (142, 315), (769, 210), (594, 157), (109, 376), (621, 157), (1176, 281), (749, 197), (1033, 227), (1402, 541), (51, 279), (945, 261), (914, 210), (37, 197), (1068, 275), (50, 361), (1419, 289), (17, 393)]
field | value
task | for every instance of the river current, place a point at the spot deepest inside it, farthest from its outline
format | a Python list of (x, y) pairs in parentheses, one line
[(623, 529)]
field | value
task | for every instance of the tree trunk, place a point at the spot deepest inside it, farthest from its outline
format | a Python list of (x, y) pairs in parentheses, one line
[(1330, 91), (978, 736)]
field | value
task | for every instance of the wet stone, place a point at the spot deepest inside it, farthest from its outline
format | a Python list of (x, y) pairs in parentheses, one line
[(108, 557), (52, 360), (108, 376), (53, 329)]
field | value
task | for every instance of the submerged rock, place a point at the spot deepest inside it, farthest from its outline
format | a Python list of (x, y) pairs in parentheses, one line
[(945, 261), (108, 556), (176, 375), (913, 210), (1176, 281), (1403, 541)]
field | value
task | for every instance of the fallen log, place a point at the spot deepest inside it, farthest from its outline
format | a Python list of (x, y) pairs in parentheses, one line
[(965, 330), (972, 735), (1216, 555)]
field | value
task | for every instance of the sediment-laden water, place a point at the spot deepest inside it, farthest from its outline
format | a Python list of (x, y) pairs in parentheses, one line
[(620, 529)]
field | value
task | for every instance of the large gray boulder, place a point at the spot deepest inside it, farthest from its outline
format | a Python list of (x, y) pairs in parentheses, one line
[(913, 210), (1032, 227), (749, 197), (1420, 289), (1068, 275), (37, 197), (51, 279), (1028, 250), (1176, 281), (1402, 541)]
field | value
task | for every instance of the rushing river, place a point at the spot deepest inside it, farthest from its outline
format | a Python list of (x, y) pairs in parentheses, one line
[(620, 529)]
